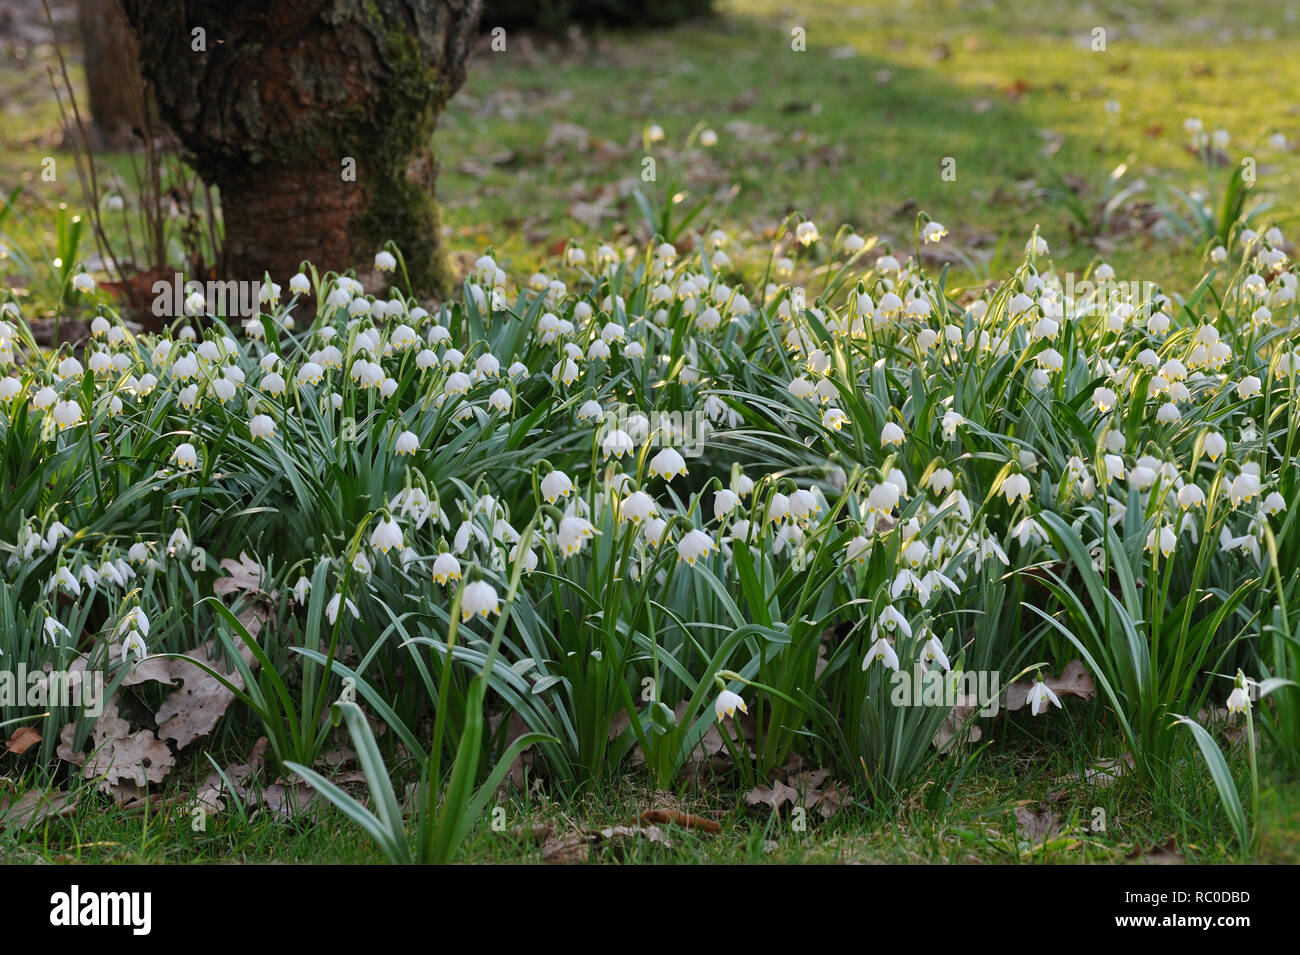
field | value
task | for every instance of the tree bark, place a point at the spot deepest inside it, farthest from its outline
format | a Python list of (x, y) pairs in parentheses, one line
[(112, 72), (276, 101)]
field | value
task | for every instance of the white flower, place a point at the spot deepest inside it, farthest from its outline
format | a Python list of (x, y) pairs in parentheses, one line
[(883, 498), (134, 646), (882, 651), (891, 433), (446, 567), (667, 464), (407, 442), (806, 233), (1215, 445), (261, 426), (478, 599), (185, 455), (573, 534), (1016, 486), (1275, 503), (695, 545), (556, 485), (1164, 538), (1238, 700), (933, 653), (82, 282), (891, 620), (386, 536), (834, 419), (1039, 696), (385, 261), (332, 608), (66, 414), (618, 443), (179, 541), (727, 703), (724, 502), (637, 507)]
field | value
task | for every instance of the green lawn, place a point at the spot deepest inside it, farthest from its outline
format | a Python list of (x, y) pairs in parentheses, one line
[(545, 143)]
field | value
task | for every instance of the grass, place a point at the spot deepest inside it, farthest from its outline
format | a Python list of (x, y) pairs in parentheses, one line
[(974, 824), (853, 130), (544, 144)]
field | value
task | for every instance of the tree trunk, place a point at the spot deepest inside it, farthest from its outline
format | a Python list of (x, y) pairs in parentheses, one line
[(315, 120), (112, 73)]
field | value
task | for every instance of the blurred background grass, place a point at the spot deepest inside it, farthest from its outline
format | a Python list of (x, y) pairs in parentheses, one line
[(545, 141)]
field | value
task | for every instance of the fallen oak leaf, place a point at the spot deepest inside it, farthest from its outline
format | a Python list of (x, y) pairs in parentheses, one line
[(1165, 853), (775, 796), (35, 806), (23, 739), (663, 817), (1037, 827)]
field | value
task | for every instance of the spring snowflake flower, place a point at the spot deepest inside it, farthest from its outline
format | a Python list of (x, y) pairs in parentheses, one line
[(1016, 486), (407, 443), (695, 545), (1164, 538), (386, 536), (940, 481), (617, 443), (1248, 387), (83, 283), (573, 534), (727, 703), (66, 414), (933, 232), (385, 261), (637, 507), (337, 601), (185, 455), (1040, 694), (478, 599), (1274, 504), (806, 233), (1244, 487), (724, 502), (667, 464), (883, 498), (261, 427), (1238, 700), (803, 504), (891, 434), (556, 485), (446, 567), (1189, 496)]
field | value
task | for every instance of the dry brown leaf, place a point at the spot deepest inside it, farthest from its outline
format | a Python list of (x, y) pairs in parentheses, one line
[(1037, 827), (148, 670), (1164, 854), (775, 796), (34, 806), (23, 739), (569, 851), (959, 726), (194, 709), (1075, 680), (242, 575), (664, 817)]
